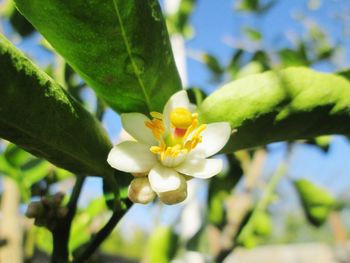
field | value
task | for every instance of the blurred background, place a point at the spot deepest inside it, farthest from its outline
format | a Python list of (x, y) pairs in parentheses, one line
[(286, 202)]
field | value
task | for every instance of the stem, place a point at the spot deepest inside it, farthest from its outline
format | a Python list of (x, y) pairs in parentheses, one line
[(261, 206), (102, 234), (266, 198), (61, 231)]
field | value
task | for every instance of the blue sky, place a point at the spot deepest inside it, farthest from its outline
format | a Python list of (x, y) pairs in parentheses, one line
[(215, 22)]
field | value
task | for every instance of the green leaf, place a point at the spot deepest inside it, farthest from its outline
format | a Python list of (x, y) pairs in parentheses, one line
[(317, 201), (39, 116), (295, 103), (162, 245), (120, 48), (252, 33)]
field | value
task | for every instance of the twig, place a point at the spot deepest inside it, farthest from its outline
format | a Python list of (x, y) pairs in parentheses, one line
[(103, 233), (61, 231)]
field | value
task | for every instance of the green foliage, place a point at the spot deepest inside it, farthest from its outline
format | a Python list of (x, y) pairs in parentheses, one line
[(220, 187), (27, 170), (317, 201), (120, 48), (256, 230), (290, 104), (179, 22), (39, 116), (22, 26), (162, 245)]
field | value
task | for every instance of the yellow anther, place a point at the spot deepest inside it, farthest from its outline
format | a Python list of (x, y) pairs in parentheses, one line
[(156, 115), (156, 127), (156, 149), (196, 138), (181, 118), (191, 128)]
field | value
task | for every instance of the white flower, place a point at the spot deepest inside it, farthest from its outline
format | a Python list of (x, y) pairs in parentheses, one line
[(169, 149)]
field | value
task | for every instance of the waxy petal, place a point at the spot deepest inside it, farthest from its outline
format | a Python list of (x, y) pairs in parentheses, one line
[(140, 191), (134, 124), (214, 138), (131, 157), (178, 100), (163, 179), (176, 196), (200, 168)]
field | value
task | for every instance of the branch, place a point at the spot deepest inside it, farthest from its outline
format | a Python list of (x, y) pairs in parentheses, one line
[(103, 233), (61, 231)]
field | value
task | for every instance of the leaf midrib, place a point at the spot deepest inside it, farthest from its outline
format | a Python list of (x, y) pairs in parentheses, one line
[(128, 49)]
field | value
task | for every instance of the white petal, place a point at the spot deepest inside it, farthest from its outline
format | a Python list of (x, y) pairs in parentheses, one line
[(140, 191), (200, 168), (164, 179), (131, 157), (215, 136), (178, 100), (134, 124), (176, 196)]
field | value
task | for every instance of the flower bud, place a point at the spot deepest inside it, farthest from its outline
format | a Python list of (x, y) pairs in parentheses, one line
[(140, 191), (34, 209), (175, 196)]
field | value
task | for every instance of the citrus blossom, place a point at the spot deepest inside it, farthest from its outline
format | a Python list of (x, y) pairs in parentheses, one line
[(169, 149)]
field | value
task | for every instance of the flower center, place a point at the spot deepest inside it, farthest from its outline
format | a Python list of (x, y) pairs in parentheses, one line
[(184, 136)]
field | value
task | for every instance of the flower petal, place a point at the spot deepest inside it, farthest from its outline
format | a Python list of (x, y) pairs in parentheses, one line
[(214, 138), (165, 179), (134, 124), (177, 100), (131, 157), (140, 191), (176, 196), (200, 168)]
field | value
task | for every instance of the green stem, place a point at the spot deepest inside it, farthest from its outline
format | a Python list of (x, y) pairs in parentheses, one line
[(261, 206), (61, 232), (265, 200), (102, 234)]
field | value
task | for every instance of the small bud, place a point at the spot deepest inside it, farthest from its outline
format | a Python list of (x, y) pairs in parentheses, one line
[(34, 209), (175, 196), (140, 191)]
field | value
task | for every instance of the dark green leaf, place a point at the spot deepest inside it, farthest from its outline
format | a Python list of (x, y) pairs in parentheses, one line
[(295, 103), (120, 48), (39, 116)]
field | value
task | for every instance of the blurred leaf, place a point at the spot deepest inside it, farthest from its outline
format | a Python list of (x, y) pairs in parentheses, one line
[(212, 63), (179, 22), (252, 33), (120, 48), (257, 228), (235, 62), (50, 124), (20, 23), (255, 6), (295, 103), (290, 57), (317, 201), (196, 95), (248, 5), (116, 188), (162, 245), (253, 67), (322, 142), (220, 188), (16, 156)]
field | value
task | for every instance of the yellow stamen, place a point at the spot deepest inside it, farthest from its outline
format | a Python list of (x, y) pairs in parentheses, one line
[(191, 128), (196, 138), (156, 127), (181, 118), (156, 115)]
